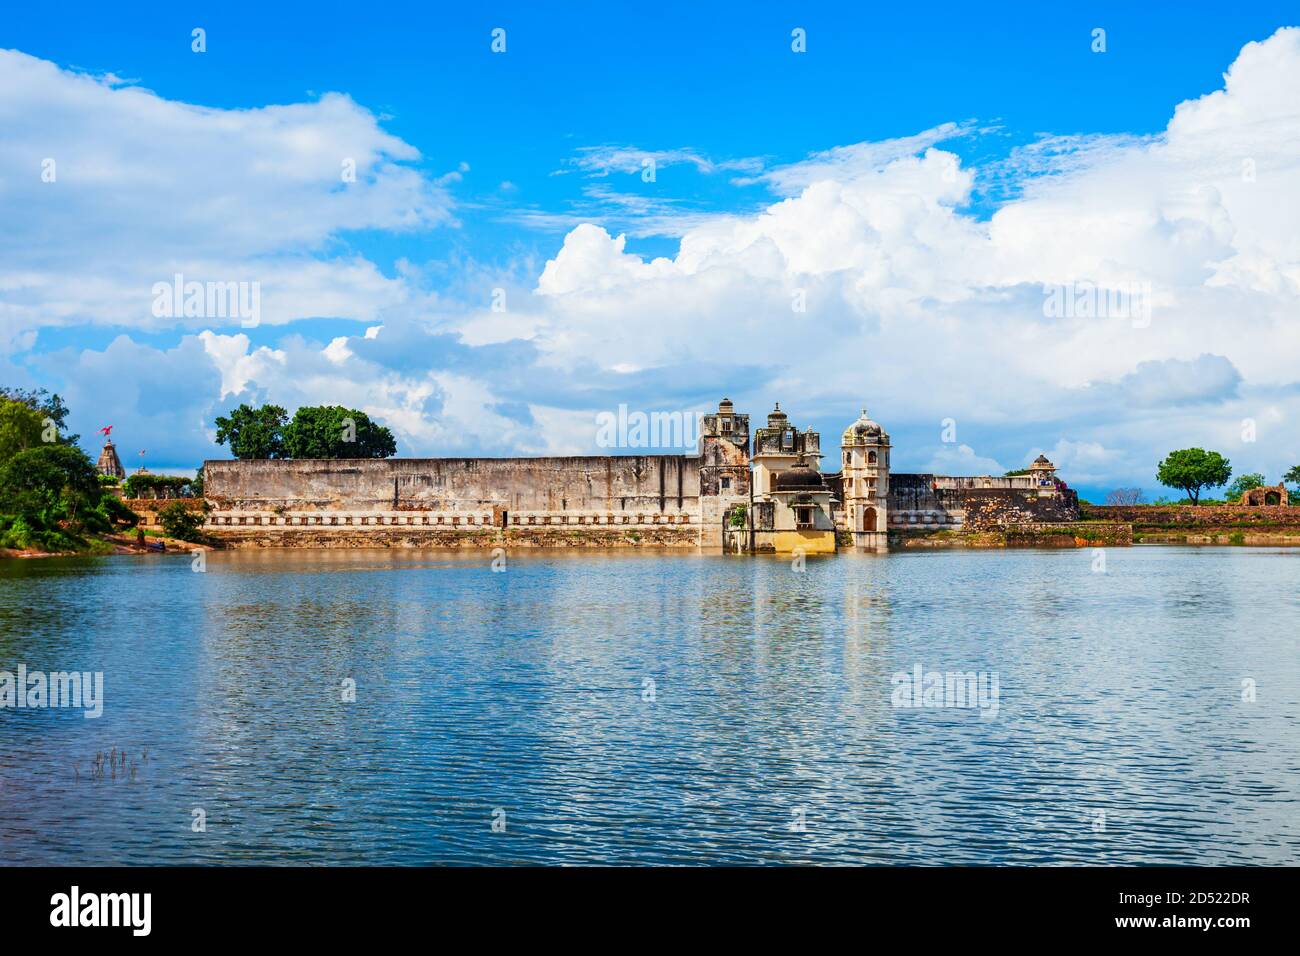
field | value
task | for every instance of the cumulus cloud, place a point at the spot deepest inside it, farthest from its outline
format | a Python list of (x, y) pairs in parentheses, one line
[(869, 278), (961, 460), (109, 188)]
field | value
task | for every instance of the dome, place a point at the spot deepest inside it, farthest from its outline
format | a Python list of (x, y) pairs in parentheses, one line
[(862, 431), (798, 478)]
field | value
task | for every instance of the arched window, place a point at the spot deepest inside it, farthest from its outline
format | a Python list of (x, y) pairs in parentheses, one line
[(871, 457)]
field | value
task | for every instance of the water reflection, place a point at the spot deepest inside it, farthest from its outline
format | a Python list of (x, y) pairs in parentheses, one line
[(657, 708)]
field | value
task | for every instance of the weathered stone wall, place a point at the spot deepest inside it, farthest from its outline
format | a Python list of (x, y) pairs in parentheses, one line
[(1194, 516), (913, 499), (610, 483), (988, 508), (250, 536), (147, 508)]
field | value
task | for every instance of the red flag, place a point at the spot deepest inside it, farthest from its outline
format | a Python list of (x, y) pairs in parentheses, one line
[(105, 430)]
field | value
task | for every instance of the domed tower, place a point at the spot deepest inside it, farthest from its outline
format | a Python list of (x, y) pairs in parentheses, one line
[(779, 446), (865, 482)]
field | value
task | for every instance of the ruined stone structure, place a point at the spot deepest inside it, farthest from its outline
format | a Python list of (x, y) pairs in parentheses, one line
[(773, 498), (1266, 496)]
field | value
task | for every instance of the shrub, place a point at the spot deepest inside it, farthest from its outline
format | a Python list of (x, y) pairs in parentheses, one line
[(147, 485), (181, 521)]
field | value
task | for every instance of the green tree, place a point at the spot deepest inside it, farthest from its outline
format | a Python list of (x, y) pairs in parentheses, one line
[(46, 405), (48, 496), (1292, 477), (1191, 469), (253, 432), (332, 431), (178, 520), (1242, 484), (49, 474), (20, 428)]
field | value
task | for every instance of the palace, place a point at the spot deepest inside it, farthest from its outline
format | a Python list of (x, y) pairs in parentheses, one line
[(737, 494)]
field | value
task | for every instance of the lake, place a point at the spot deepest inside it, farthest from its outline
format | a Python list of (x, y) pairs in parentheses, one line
[(1138, 705)]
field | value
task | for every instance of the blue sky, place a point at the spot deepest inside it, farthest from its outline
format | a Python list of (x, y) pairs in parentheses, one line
[(485, 165)]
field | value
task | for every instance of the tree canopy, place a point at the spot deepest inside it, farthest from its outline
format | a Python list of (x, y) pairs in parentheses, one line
[(316, 431), (50, 496), (1192, 469), (44, 404), (332, 431), (50, 492), (253, 432), (20, 428), (1242, 484)]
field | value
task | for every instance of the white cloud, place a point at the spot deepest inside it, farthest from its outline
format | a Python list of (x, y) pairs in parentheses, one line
[(144, 187), (913, 303), (961, 460)]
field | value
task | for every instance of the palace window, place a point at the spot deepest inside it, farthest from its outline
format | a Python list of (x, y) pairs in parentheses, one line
[(787, 439), (726, 424), (803, 516), (726, 484), (871, 457)]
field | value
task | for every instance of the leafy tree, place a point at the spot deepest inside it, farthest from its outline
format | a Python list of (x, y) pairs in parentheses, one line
[(115, 513), (332, 431), (48, 496), (1292, 477), (1015, 473), (50, 492), (196, 486), (46, 405), (49, 473), (253, 432), (178, 520), (1242, 484), (148, 485), (20, 428), (1191, 469)]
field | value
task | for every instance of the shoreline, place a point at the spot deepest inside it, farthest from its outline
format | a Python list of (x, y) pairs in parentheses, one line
[(112, 545), (118, 546)]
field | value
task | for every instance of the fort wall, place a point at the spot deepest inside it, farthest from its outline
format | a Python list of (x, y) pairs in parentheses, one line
[(1195, 516), (975, 504), (646, 483)]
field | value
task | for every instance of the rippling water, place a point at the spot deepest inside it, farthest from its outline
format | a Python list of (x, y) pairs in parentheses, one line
[(1121, 735)]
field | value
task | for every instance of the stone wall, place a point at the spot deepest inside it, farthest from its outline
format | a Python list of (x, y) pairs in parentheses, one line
[(610, 483), (262, 536), (960, 503), (1194, 516), (988, 508), (147, 509)]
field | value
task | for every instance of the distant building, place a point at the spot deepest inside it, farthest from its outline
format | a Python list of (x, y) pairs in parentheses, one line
[(765, 494), (109, 464)]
